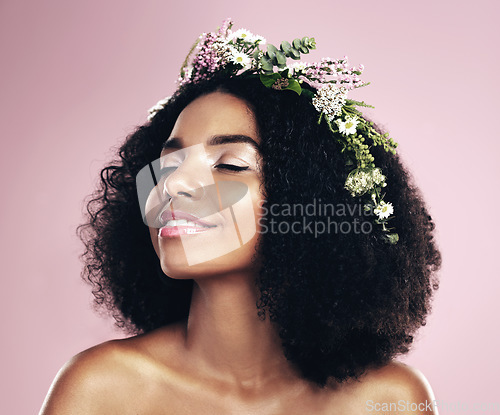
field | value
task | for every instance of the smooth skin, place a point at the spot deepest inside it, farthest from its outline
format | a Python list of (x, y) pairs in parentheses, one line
[(223, 359)]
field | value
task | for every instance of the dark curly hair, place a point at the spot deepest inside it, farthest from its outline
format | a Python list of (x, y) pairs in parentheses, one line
[(341, 302)]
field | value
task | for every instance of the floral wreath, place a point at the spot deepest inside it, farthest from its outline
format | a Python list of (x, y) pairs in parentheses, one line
[(238, 53)]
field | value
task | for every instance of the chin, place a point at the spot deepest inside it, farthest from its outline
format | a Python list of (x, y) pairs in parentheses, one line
[(175, 263)]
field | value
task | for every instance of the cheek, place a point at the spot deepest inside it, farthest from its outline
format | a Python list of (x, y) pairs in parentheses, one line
[(153, 232), (249, 214)]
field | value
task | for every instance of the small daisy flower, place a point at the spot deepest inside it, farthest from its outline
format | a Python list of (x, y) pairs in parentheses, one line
[(384, 210), (242, 59), (243, 34), (348, 126), (259, 39)]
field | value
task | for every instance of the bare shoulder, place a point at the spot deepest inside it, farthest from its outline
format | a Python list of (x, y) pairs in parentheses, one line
[(103, 378), (84, 379), (399, 379), (395, 388)]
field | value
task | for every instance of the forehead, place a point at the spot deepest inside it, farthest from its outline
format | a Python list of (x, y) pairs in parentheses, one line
[(216, 113)]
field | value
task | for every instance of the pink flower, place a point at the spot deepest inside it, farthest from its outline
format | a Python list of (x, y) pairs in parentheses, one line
[(223, 30)]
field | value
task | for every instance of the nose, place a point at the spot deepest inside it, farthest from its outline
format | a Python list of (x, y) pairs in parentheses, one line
[(188, 180)]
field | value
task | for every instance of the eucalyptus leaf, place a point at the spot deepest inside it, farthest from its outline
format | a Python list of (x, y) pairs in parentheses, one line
[(286, 47), (297, 43), (304, 49), (266, 64), (280, 57), (271, 51), (294, 54)]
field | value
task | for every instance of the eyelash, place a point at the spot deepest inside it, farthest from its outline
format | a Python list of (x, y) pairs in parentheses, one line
[(222, 166), (231, 167)]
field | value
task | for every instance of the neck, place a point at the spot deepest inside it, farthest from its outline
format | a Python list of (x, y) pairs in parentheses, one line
[(226, 337)]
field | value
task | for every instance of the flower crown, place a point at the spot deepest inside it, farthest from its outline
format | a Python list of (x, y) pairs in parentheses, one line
[(238, 53)]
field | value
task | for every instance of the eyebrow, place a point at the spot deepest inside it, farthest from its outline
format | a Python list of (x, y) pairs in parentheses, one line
[(175, 142)]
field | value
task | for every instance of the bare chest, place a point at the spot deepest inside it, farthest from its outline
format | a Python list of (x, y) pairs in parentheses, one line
[(185, 400)]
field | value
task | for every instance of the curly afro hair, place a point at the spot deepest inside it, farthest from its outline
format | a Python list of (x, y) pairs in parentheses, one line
[(341, 302)]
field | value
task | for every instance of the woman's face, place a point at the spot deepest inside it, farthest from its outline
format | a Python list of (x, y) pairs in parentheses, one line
[(208, 221)]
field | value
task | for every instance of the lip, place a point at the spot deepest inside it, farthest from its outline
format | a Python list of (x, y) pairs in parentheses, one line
[(179, 214), (174, 231), (178, 230)]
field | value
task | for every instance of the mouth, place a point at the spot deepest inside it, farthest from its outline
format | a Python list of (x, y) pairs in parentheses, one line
[(177, 223)]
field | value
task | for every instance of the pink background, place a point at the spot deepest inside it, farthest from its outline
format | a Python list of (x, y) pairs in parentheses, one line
[(76, 77)]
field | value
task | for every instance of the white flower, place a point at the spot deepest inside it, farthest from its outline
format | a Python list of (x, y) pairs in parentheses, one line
[(378, 178), (158, 107), (359, 182), (242, 59), (348, 126), (330, 99), (384, 210), (297, 68), (260, 39), (242, 34)]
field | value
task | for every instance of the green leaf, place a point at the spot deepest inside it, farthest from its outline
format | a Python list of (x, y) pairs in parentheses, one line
[(280, 57), (271, 51), (293, 85), (358, 103), (286, 47), (297, 43), (269, 79), (307, 93), (305, 41), (304, 49), (266, 64), (294, 54)]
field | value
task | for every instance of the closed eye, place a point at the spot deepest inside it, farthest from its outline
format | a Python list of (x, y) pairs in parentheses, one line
[(231, 167), (222, 166)]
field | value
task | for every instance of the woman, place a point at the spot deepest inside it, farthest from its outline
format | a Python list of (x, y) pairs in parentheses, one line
[(208, 240)]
